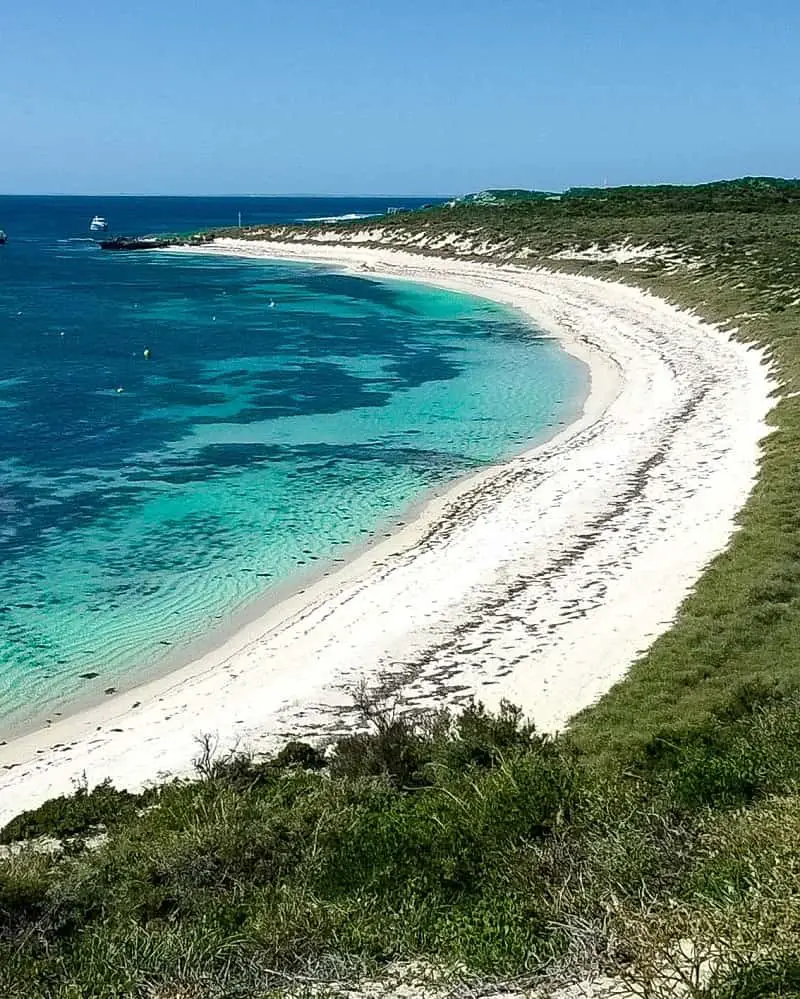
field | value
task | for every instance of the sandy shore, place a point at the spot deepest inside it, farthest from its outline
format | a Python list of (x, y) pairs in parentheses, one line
[(539, 580)]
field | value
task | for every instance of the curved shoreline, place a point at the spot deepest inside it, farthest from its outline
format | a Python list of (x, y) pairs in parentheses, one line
[(215, 633), (539, 580)]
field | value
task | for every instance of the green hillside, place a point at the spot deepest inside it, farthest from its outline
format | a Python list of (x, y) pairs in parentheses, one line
[(745, 194)]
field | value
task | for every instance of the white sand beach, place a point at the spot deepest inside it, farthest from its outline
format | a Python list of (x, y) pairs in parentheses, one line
[(539, 580)]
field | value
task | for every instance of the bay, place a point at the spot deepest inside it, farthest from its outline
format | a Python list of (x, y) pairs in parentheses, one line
[(285, 411)]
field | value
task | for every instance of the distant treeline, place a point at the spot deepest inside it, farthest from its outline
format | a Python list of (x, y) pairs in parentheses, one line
[(748, 194)]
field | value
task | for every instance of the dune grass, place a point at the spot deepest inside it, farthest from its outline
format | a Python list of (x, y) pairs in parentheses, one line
[(470, 841)]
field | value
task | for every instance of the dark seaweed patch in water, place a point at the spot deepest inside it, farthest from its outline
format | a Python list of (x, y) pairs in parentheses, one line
[(354, 288), (423, 366), (176, 394), (226, 456), (47, 514)]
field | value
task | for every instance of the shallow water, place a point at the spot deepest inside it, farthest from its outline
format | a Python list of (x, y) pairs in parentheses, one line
[(285, 411)]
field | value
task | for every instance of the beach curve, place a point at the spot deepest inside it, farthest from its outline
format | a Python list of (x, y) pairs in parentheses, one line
[(539, 580)]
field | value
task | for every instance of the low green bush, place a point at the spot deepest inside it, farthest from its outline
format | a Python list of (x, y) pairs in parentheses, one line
[(75, 814), (744, 750), (507, 853), (23, 894)]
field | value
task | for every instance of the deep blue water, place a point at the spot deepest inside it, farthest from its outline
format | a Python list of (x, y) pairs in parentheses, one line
[(285, 411)]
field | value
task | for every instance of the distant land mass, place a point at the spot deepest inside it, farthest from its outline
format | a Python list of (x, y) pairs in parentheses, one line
[(512, 209), (754, 193), (505, 196)]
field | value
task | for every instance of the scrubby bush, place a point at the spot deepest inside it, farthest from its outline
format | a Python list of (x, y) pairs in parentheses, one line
[(392, 744), (23, 894), (75, 814), (477, 737), (504, 852), (408, 747), (768, 978), (300, 754)]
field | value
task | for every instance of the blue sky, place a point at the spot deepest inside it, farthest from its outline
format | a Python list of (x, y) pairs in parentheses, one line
[(380, 97)]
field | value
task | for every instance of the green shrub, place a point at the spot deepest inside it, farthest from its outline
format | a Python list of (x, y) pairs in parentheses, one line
[(300, 754), (403, 747), (767, 978), (394, 750), (477, 737), (72, 815)]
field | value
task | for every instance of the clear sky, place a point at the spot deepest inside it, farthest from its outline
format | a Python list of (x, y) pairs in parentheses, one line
[(393, 96)]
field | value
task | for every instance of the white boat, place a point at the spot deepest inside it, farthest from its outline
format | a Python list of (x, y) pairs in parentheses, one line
[(98, 224)]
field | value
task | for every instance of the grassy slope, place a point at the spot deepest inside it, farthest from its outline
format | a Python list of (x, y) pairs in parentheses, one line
[(472, 840)]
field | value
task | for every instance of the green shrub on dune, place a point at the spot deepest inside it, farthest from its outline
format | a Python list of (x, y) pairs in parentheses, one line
[(507, 854), (73, 815)]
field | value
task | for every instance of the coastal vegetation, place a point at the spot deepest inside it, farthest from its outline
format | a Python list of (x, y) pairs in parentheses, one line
[(469, 840), (655, 842)]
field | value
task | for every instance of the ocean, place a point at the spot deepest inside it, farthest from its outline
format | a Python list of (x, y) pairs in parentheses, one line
[(284, 412)]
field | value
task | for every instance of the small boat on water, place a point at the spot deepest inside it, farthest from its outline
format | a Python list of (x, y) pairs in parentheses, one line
[(98, 224), (3, 237)]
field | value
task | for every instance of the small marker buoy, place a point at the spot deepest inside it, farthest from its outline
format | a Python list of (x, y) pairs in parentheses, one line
[(213, 319), (146, 353)]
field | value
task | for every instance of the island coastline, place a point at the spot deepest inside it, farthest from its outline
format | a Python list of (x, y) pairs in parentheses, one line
[(133, 745)]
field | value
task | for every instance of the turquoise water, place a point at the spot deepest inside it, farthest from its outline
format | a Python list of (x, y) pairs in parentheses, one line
[(256, 443)]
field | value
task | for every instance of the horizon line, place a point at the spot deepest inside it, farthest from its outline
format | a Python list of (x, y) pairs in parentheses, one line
[(136, 194)]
